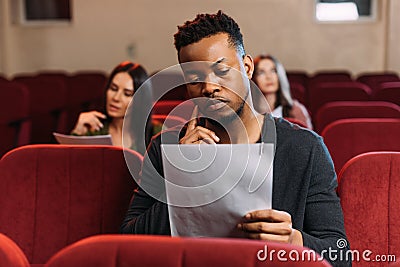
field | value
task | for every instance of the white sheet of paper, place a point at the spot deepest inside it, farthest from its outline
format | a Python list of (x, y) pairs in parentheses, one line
[(211, 187), (83, 140)]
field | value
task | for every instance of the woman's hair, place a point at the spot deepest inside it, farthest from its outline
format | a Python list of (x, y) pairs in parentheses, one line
[(283, 96), (140, 130)]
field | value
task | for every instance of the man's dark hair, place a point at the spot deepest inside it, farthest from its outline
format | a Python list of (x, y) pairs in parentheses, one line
[(206, 25)]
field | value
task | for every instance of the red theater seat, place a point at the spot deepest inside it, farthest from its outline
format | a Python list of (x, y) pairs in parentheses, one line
[(348, 138), (139, 250), (169, 120), (178, 108), (298, 92), (93, 84), (369, 187), (54, 195), (168, 85), (47, 97), (298, 76), (296, 121), (389, 91), (331, 76), (323, 93), (10, 254), (333, 111), (373, 80), (86, 91), (15, 128)]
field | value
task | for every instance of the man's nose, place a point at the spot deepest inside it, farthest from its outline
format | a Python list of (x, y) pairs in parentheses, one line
[(210, 86)]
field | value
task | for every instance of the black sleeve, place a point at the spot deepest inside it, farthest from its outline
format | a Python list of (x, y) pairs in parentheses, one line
[(146, 214), (323, 229)]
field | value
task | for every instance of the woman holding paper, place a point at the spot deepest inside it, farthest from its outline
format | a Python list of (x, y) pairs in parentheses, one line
[(124, 81)]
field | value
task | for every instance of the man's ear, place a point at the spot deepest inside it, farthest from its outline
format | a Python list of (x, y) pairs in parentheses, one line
[(248, 65)]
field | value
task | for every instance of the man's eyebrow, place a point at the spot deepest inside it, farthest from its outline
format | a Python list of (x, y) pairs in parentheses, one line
[(190, 72), (222, 59)]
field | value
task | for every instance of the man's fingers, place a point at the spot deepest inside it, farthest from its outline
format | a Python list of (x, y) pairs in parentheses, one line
[(269, 237), (283, 228), (268, 215), (207, 141), (193, 119), (198, 134)]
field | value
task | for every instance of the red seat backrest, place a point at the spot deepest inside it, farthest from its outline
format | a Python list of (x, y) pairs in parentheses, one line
[(88, 85), (54, 195), (373, 80), (139, 250), (86, 91), (47, 99), (168, 120), (299, 93), (300, 77), (296, 121), (333, 111), (388, 91), (178, 108), (331, 76), (336, 91), (14, 125), (10, 254), (168, 85), (369, 186), (348, 138)]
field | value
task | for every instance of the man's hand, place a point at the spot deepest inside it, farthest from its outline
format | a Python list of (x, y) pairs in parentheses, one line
[(196, 134), (271, 225)]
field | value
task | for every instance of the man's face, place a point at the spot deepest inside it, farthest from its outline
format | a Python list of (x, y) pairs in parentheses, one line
[(217, 76)]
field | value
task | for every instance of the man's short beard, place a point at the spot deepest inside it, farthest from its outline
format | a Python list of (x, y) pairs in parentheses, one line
[(230, 118)]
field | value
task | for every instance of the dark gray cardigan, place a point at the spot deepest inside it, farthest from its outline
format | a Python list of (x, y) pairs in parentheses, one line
[(304, 183)]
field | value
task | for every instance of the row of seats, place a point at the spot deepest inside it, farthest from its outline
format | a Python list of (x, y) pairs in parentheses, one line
[(344, 139), (323, 87), (31, 117), (49, 102), (349, 128), (372, 79), (138, 250), (350, 91), (333, 111), (325, 115), (67, 193)]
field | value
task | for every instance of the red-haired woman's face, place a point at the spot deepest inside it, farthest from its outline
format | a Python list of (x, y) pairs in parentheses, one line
[(119, 95), (266, 76)]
